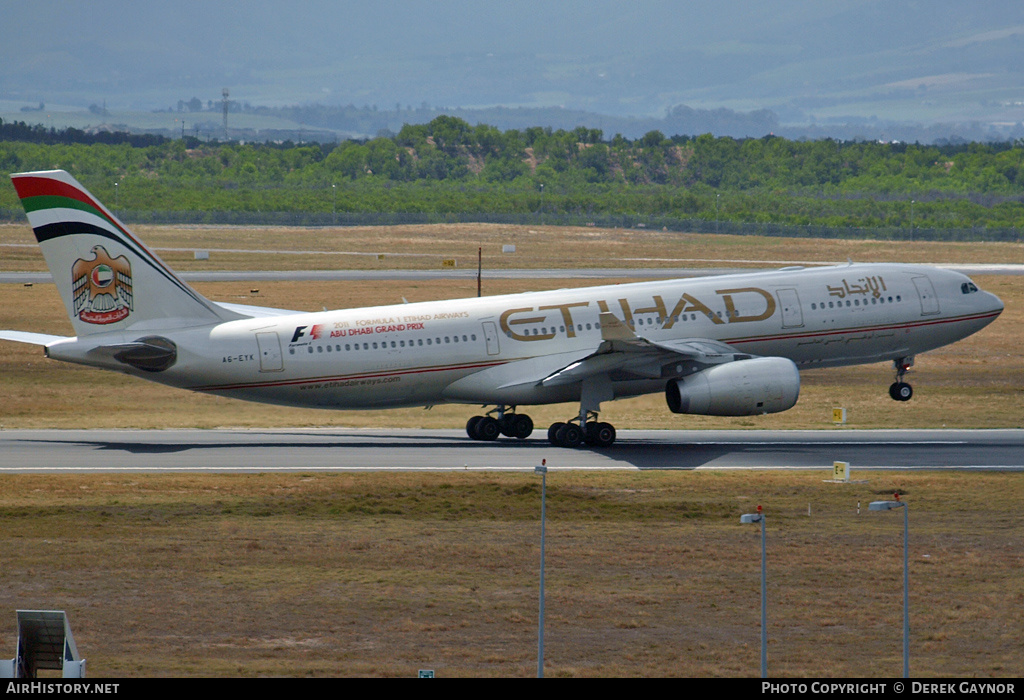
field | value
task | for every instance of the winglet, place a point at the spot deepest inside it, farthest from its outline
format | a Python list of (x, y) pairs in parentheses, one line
[(614, 329)]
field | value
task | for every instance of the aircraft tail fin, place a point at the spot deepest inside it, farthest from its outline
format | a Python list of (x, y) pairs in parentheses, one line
[(109, 280)]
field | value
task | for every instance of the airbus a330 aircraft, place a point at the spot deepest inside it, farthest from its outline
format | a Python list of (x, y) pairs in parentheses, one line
[(725, 346)]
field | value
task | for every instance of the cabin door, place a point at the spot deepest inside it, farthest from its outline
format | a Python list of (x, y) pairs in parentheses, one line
[(271, 359), (926, 292), (789, 303), (491, 337)]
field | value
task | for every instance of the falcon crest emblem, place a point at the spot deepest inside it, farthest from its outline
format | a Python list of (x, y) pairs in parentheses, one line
[(102, 287)]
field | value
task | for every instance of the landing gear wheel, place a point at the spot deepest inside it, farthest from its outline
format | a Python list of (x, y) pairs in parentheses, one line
[(487, 429), (520, 427), (471, 426), (505, 423), (600, 434), (569, 435), (553, 433), (901, 391)]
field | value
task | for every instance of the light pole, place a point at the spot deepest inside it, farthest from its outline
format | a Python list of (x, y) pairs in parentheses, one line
[(334, 203), (889, 505), (758, 517), (717, 197), (543, 471), (911, 219), (117, 197)]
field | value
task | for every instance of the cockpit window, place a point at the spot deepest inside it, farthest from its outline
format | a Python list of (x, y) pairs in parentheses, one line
[(968, 288)]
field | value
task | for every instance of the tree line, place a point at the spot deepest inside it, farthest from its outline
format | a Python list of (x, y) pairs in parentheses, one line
[(451, 166)]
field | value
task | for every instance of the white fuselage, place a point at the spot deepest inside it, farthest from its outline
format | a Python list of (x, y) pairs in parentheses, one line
[(479, 350)]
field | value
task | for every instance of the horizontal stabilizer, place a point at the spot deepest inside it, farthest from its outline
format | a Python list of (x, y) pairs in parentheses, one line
[(33, 338), (256, 311)]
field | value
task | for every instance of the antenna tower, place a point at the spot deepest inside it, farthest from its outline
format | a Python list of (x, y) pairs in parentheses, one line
[(224, 102)]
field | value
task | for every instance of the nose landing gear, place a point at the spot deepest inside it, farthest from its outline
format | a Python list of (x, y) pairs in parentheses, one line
[(901, 390)]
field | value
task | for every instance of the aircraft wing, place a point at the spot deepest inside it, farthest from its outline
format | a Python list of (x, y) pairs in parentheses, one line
[(624, 355), (33, 338)]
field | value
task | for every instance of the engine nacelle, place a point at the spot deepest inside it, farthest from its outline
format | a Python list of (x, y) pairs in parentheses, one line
[(742, 388)]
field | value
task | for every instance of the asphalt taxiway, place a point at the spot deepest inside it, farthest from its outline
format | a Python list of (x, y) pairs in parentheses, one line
[(303, 450)]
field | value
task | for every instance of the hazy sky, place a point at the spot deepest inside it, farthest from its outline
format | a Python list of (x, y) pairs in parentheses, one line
[(617, 57)]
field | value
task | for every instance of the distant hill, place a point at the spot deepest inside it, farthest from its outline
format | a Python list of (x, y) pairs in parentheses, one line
[(815, 64)]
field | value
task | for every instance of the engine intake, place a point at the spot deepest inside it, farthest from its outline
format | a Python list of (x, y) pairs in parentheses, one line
[(744, 388)]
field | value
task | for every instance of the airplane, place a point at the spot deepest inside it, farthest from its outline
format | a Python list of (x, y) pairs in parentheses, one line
[(730, 345)]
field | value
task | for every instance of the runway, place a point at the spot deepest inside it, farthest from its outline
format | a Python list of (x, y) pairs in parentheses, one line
[(309, 450)]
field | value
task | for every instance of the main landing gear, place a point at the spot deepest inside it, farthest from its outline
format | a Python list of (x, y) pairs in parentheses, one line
[(900, 390), (592, 433), (499, 421), (505, 421)]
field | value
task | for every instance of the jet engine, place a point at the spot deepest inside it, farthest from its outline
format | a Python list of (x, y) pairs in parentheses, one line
[(742, 388)]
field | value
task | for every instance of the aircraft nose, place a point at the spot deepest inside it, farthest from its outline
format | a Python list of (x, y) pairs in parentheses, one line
[(997, 303)]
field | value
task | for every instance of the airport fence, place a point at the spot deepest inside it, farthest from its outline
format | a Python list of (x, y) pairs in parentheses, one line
[(622, 221)]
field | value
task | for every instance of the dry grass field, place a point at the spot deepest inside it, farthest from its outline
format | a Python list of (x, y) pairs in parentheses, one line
[(425, 246), (649, 574)]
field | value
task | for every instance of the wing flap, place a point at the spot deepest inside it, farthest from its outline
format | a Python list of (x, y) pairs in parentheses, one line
[(622, 351)]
